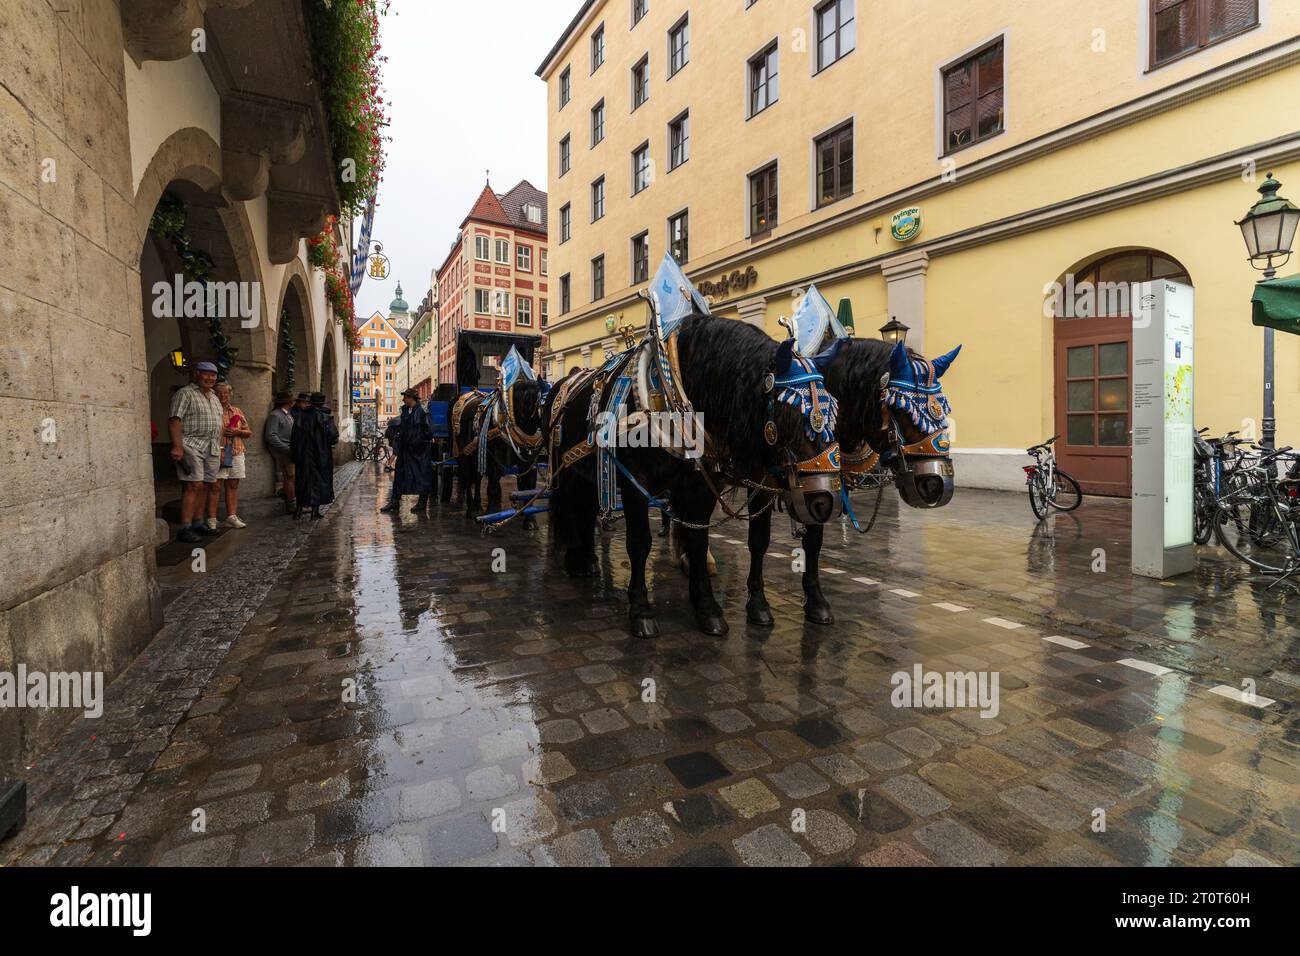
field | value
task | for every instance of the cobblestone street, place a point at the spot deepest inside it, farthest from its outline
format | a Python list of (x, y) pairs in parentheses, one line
[(502, 718)]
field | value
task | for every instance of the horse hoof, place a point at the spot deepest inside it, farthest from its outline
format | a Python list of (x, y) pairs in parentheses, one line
[(760, 616), (712, 624), (818, 614), (645, 628)]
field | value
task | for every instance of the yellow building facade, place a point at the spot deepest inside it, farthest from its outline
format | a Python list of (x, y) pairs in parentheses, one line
[(950, 165)]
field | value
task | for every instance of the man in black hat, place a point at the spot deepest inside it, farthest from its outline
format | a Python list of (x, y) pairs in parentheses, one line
[(314, 435), (300, 405), (414, 447)]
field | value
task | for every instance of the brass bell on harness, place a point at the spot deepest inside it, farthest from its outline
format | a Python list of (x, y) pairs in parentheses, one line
[(769, 432)]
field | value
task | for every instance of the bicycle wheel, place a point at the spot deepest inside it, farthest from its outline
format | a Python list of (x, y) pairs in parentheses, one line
[(1232, 528), (1203, 508), (1068, 493), (1039, 497)]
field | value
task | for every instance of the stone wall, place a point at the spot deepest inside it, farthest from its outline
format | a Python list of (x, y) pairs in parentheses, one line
[(76, 499)]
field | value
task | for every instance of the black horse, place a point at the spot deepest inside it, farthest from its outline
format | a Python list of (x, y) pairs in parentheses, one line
[(514, 440), (891, 412), (727, 370)]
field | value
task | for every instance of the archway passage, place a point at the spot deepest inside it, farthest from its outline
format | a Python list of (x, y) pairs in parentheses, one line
[(1093, 364), (293, 351)]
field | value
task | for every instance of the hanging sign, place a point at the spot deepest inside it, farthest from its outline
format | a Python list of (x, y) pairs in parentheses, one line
[(377, 266)]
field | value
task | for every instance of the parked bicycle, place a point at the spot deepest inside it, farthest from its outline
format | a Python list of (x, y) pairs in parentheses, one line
[(1219, 466), (1258, 520), (371, 448), (1050, 489)]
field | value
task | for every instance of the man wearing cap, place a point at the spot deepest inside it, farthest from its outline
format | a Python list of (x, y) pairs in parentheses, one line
[(414, 456), (313, 437), (278, 433), (195, 427), (301, 404)]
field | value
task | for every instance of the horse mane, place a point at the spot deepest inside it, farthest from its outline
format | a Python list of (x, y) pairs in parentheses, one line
[(854, 379), (723, 365), (527, 404)]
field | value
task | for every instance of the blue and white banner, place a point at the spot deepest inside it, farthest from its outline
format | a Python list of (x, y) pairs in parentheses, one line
[(362, 252)]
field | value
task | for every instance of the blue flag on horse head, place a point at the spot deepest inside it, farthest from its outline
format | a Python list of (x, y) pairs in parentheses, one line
[(673, 297), (816, 325), (515, 369)]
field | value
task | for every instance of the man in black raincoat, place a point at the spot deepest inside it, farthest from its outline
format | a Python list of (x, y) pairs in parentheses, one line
[(414, 456), (314, 435)]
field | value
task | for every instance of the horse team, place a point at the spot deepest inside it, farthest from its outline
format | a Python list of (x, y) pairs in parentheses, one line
[(794, 424)]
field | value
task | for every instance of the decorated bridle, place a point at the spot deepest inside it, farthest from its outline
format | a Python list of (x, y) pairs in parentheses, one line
[(925, 404)]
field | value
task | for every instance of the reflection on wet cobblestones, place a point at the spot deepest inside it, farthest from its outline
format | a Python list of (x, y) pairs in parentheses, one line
[(394, 701)]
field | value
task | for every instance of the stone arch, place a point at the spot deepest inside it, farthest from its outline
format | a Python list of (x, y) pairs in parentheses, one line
[(295, 298)]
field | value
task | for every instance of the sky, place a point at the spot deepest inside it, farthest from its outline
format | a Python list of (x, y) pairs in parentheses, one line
[(463, 98)]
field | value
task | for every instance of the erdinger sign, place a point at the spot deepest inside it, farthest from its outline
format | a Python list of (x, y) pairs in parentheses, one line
[(737, 280)]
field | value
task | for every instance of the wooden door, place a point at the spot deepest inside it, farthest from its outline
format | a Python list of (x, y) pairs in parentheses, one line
[(1094, 403)]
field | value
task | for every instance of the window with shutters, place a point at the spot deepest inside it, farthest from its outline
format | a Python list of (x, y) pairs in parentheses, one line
[(1181, 27), (973, 103)]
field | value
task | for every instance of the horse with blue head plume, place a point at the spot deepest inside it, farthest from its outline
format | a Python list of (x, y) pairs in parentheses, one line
[(892, 414)]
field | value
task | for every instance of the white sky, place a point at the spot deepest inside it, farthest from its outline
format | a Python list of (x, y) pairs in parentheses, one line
[(463, 99)]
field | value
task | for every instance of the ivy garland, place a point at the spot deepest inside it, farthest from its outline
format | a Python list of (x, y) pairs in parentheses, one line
[(290, 351), (168, 223)]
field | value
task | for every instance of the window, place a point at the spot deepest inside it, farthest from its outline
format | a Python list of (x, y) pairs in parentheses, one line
[(482, 248), (762, 201), (524, 258), (679, 141), (566, 297), (598, 199), (533, 212), (836, 32), (679, 46), (641, 258), (545, 265), (640, 82), (598, 48), (524, 311), (546, 320), (679, 229), (639, 9), (566, 223), (835, 165), (1179, 27), (482, 301), (501, 302), (640, 168), (972, 98), (762, 81), (566, 87), (566, 155), (503, 252), (597, 278), (597, 123)]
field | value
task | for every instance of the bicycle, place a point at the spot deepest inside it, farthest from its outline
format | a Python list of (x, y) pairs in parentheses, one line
[(1219, 463), (1264, 513), (370, 449), (1049, 487)]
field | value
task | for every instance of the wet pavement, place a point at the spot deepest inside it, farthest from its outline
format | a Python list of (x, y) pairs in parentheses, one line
[(374, 691)]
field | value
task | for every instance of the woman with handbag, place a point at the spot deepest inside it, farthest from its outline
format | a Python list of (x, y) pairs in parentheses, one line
[(234, 430)]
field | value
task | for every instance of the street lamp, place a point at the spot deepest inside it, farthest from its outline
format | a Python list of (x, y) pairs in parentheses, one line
[(1269, 230), (894, 332)]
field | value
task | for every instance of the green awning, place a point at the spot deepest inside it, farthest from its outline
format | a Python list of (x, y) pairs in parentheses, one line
[(1276, 304)]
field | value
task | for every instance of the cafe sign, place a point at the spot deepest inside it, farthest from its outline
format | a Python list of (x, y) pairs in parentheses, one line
[(737, 281), (905, 225)]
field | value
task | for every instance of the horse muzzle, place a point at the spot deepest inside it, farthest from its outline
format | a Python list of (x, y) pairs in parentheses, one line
[(813, 493), (926, 483)]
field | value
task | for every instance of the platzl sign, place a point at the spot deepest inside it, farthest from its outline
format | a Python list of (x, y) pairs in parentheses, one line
[(737, 280)]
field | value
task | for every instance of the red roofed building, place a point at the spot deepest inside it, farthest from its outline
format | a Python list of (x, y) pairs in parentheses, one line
[(495, 277)]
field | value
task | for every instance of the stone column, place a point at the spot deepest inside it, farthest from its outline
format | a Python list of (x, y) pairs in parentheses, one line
[(252, 393), (905, 277), (754, 311)]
